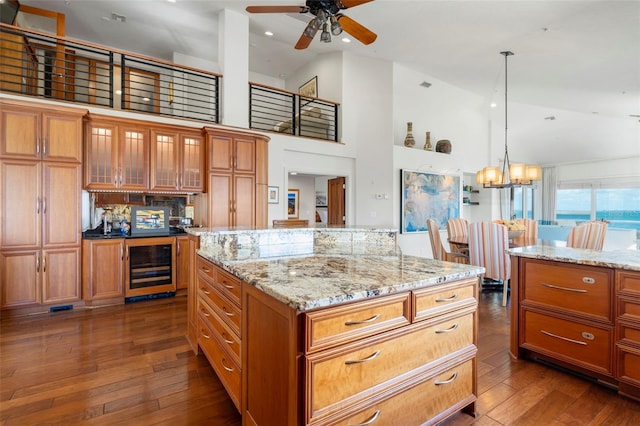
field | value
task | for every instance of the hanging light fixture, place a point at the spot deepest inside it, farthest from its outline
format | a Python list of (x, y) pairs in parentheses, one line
[(512, 175)]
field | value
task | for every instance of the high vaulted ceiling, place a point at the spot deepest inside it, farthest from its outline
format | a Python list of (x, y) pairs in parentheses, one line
[(575, 56)]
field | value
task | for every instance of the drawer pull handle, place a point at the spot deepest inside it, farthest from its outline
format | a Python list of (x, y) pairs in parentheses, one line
[(204, 290), (372, 319), (226, 312), (449, 330), (447, 299), (225, 285), (359, 361), (205, 270), (205, 313), (229, 369), (370, 421), (224, 337), (206, 336), (577, 342), (575, 290), (446, 382)]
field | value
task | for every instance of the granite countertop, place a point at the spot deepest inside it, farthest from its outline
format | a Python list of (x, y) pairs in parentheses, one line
[(312, 280), (619, 259)]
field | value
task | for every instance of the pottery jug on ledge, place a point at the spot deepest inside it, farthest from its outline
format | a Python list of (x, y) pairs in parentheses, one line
[(427, 143), (443, 146), (408, 140)]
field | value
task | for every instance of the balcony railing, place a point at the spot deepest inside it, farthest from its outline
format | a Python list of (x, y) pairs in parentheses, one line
[(277, 110), (37, 64)]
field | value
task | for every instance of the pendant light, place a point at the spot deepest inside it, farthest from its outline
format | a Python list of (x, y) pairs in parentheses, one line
[(512, 175)]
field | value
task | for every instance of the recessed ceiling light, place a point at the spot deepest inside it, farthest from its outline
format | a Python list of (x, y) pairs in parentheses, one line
[(346, 40), (268, 33), (493, 105), (171, 1), (293, 173)]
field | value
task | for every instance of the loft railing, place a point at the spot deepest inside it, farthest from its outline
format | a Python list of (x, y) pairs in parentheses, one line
[(38, 64), (277, 110)]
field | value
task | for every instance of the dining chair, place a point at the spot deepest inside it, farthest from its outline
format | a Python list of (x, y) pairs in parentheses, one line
[(488, 243), (588, 235), (530, 235), (439, 252), (458, 227)]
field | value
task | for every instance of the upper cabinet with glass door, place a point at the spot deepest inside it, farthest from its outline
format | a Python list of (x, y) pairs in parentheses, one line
[(177, 160)]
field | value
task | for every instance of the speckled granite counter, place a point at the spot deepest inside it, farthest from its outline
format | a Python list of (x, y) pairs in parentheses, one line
[(619, 259), (317, 267)]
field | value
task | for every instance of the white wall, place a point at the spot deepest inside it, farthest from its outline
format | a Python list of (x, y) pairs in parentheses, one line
[(306, 186)]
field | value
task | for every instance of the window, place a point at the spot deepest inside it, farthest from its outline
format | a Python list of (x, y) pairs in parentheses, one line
[(523, 202), (573, 204)]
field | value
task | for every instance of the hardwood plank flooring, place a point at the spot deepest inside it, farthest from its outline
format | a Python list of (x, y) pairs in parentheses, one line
[(131, 365)]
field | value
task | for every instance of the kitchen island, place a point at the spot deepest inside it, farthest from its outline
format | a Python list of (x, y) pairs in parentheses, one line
[(333, 326), (579, 309)]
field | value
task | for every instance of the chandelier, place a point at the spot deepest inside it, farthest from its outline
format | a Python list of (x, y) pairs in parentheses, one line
[(512, 175)]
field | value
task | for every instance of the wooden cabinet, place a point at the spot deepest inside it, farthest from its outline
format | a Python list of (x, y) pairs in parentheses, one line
[(182, 262), (103, 268), (628, 333), (237, 181), (116, 156), (177, 160), (40, 216), (219, 324), (30, 132), (583, 317), (406, 358)]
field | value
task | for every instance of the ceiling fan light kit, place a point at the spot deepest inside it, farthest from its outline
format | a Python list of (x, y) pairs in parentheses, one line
[(512, 175), (327, 17)]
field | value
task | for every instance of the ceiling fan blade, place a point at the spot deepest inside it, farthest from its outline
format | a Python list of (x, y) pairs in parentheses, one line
[(277, 9), (359, 31), (353, 3), (303, 42)]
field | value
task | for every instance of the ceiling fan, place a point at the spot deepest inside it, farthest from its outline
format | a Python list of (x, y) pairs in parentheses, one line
[(327, 17)]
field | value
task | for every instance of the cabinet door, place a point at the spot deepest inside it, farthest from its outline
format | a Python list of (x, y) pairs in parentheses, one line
[(20, 133), (220, 154), (101, 156), (103, 269), (61, 204), (192, 163), (20, 204), (62, 137), (164, 161), (245, 155), (182, 262), (244, 201), (20, 277), (61, 275), (133, 158), (220, 202)]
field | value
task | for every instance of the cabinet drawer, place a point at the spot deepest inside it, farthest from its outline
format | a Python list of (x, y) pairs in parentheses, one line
[(229, 312), (629, 334), (229, 286), (342, 324), (225, 336), (629, 283), (422, 402), (206, 268), (228, 371), (578, 343), (583, 290), (430, 302), (340, 376), (629, 309), (629, 365)]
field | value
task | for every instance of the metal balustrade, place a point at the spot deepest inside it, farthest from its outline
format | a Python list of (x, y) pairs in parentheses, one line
[(277, 110), (37, 64)]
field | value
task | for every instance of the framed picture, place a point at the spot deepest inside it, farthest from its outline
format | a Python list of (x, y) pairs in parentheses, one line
[(428, 196), (273, 195), (293, 203), (321, 199), (310, 88)]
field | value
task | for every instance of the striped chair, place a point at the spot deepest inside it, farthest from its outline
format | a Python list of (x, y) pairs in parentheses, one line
[(588, 235), (439, 252), (530, 235), (458, 227), (488, 243)]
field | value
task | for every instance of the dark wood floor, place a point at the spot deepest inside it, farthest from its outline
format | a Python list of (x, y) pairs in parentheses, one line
[(131, 365)]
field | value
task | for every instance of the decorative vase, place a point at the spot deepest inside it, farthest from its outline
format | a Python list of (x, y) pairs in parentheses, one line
[(427, 143), (408, 140), (443, 146)]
